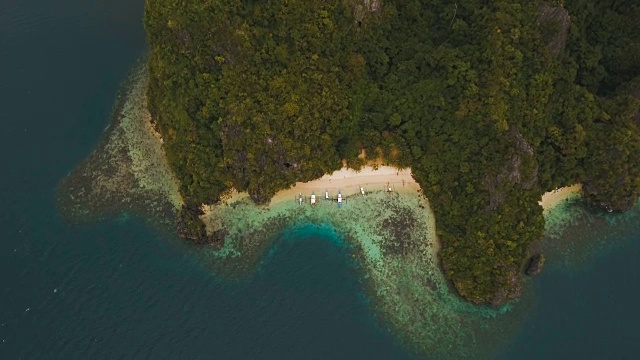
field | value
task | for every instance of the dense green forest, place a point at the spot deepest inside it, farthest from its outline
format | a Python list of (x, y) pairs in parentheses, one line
[(491, 103)]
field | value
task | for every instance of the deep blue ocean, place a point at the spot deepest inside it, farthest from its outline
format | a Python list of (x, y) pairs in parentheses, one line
[(121, 289)]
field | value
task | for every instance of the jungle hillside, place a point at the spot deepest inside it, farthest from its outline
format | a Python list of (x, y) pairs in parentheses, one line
[(491, 104)]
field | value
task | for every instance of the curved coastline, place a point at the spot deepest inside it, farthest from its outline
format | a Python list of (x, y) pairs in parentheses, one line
[(551, 199), (394, 241), (577, 232), (237, 215), (349, 182), (403, 276)]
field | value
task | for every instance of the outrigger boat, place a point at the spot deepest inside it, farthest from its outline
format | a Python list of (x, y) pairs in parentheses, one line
[(339, 199)]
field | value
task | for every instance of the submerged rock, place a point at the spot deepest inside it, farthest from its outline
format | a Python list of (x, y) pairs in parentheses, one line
[(535, 264), (191, 228), (189, 225)]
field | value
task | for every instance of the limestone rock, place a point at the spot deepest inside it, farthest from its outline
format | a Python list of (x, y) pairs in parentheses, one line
[(554, 22)]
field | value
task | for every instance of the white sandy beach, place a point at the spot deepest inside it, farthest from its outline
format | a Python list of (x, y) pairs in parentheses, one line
[(553, 198), (372, 179), (347, 181)]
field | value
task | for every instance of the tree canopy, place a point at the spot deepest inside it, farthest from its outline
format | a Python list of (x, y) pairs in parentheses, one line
[(491, 103)]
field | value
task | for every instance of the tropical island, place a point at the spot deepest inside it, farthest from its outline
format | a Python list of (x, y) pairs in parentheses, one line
[(490, 105)]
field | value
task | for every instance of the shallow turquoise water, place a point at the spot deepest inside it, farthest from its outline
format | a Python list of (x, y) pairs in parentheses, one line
[(120, 289)]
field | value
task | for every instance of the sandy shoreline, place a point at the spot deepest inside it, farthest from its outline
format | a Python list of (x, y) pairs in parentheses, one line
[(552, 198), (347, 181)]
